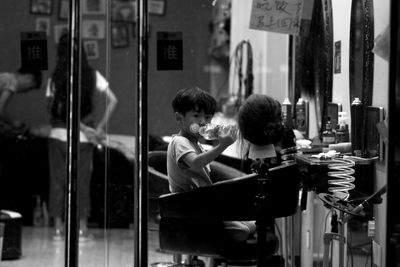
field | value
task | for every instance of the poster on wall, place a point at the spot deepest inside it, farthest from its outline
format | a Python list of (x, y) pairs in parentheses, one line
[(277, 16), (169, 51), (34, 50)]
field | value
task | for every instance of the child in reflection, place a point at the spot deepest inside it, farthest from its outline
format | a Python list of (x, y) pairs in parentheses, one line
[(90, 133), (11, 83), (189, 165)]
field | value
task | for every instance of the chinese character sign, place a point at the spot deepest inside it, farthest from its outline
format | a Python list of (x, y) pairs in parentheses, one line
[(34, 50), (169, 51), (276, 16)]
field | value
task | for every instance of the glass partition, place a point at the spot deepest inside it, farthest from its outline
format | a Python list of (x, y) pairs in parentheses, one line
[(67, 149)]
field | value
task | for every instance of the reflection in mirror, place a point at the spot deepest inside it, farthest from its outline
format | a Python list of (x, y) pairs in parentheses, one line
[(361, 56), (314, 61)]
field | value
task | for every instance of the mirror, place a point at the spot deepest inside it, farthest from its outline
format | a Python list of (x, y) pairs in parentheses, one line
[(314, 61), (361, 56)]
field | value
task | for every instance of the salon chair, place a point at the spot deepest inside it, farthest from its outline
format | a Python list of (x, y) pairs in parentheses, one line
[(158, 181), (192, 222)]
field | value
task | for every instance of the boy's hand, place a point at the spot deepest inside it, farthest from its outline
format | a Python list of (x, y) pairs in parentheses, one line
[(227, 135)]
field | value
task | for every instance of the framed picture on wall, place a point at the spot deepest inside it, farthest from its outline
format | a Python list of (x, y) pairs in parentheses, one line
[(157, 7), (119, 35), (92, 49), (42, 7), (63, 10), (59, 30), (43, 25), (93, 29), (123, 11), (94, 7)]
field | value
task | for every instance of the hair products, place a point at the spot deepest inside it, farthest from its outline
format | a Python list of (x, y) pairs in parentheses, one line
[(287, 113), (302, 117), (357, 133)]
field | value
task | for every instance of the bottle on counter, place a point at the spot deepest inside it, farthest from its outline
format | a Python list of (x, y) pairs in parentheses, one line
[(328, 136), (302, 117), (357, 133), (287, 113), (342, 132)]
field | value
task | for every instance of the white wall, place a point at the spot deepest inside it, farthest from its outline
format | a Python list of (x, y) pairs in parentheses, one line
[(270, 53)]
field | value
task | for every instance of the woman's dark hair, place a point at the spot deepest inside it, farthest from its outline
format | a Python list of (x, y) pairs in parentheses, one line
[(194, 99), (60, 78), (260, 120)]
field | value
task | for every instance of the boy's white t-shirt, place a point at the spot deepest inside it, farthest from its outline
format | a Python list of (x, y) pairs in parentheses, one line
[(61, 133), (181, 177)]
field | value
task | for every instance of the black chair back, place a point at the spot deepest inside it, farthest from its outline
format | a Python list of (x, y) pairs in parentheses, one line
[(235, 199)]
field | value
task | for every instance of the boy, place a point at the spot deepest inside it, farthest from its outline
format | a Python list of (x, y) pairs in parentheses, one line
[(188, 165)]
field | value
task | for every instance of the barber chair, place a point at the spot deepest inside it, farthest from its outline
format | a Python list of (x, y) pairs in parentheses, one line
[(192, 222), (158, 181)]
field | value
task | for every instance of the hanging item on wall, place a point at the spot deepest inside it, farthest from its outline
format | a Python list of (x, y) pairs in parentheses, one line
[(41, 7), (94, 7), (243, 75), (94, 29), (43, 25), (277, 16), (119, 35), (123, 11), (157, 7), (169, 51), (34, 50), (91, 49)]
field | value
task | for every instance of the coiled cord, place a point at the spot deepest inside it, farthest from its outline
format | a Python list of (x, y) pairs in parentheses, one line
[(342, 176)]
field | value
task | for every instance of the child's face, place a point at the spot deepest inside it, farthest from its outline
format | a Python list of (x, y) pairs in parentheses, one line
[(193, 116)]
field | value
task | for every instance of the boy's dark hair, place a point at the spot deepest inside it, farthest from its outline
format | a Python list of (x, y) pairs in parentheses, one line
[(194, 99), (37, 75)]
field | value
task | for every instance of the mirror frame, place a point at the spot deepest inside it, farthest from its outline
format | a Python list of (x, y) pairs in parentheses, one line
[(366, 24)]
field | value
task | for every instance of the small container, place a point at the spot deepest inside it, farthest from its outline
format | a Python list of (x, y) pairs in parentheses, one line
[(328, 136), (357, 133), (302, 117)]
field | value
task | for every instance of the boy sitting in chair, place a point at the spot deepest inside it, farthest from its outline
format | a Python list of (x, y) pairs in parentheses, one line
[(189, 165)]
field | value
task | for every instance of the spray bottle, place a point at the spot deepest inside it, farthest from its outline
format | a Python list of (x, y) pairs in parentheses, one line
[(357, 135)]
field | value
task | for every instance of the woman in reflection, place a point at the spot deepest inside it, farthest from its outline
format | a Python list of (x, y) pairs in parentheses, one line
[(90, 133), (260, 124)]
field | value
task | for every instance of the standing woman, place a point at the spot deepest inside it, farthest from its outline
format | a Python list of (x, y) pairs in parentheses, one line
[(90, 133)]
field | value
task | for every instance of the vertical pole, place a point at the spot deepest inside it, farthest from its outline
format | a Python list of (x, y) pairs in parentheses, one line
[(73, 113), (141, 182)]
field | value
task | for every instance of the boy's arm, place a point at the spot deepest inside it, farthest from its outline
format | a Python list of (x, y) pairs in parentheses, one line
[(198, 161)]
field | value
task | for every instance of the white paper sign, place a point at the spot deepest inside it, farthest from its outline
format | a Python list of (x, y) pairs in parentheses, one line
[(276, 16)]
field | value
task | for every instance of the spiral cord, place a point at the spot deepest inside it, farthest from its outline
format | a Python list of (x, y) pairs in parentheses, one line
[(341, 174)]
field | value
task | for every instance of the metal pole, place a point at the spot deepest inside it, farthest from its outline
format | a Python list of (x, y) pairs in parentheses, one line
[(73, 112), (141, 181)]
